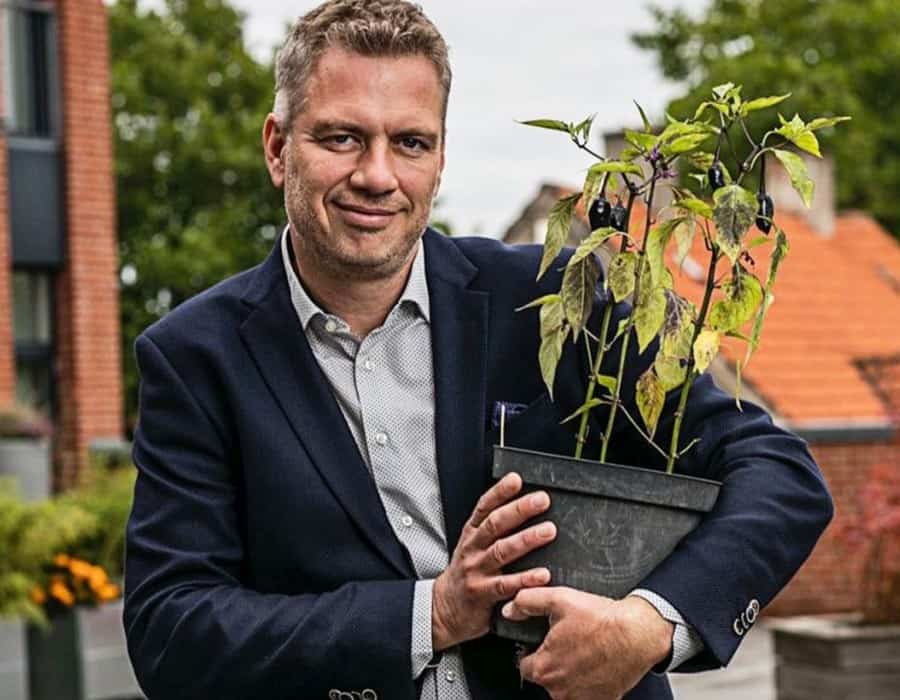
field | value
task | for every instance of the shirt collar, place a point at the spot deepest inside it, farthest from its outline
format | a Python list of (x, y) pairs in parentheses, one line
[(416, 290)]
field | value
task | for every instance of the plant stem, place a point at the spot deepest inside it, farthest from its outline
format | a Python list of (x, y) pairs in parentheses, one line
[(627, 334), (601, 351), (690, 375)]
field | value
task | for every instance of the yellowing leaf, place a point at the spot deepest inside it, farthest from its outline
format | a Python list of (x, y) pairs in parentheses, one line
[(649, 315), (683, 144), (825, 122), (593, 183), (617, 166), (607, 382), (592, 243), (778, 254), (684, 238), (578, 287), (540, 301), (694, 206), (657, 240), (639, 139), (622, 269), (671, 371), (559, 221), (552, 124), (549, 355), (743, 295), (584, 408), (798, 173), (650, 397), (735, 212), (706, 347), (797, 132)]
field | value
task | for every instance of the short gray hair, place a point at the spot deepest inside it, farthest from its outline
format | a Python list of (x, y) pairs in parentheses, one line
[(389, 28)]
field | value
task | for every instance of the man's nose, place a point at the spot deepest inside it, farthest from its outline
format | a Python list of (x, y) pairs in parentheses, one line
[(375, 170)]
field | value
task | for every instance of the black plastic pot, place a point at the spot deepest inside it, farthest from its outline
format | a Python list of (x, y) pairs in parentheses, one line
[(615, 524)]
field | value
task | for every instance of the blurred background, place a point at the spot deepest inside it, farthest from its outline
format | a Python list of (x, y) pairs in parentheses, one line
[(131, 178)]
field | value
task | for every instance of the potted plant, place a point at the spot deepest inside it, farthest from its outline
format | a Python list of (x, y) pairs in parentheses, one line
[(81, 653), (852, 655), (616, 523), (25, 450), (29, 534)]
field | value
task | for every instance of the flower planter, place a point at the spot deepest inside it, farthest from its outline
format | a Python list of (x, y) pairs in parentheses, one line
[(836, 657), (28, 461), (13, 669), (81, 656), (615, 524)]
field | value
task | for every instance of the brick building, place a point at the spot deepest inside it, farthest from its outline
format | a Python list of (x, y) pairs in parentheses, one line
[(829, 364), (59, 317)]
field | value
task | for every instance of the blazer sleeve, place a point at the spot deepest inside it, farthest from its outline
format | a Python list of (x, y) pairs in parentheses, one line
[(194, 629), (771, 509)]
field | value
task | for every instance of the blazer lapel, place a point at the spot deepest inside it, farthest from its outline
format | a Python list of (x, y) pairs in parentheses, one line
[(274, 337), (459, 348)]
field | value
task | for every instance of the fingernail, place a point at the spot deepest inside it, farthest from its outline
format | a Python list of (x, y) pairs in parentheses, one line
[(546, 529), (539, 500), (507, 610)]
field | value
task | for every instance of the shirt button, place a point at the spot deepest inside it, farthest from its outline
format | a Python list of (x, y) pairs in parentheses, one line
[(406, 520), (450, 676), (367, 365), (381, 439), (330, 325)]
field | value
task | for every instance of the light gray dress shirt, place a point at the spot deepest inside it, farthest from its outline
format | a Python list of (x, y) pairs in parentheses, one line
[(384, 385)]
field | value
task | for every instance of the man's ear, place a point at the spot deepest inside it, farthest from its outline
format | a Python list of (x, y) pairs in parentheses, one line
[(274, 142)]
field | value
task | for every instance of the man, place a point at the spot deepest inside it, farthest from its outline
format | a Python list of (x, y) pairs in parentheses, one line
[(314, 515)]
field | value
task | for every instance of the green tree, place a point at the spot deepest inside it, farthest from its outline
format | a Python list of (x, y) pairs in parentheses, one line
[(834, 56), (195, 203)]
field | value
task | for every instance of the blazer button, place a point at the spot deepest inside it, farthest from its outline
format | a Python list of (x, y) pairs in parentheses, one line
[(450, 676)]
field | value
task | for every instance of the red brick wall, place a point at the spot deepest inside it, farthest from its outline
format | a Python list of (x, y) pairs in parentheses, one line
[(89, 362), (830, 579), (7, 354)]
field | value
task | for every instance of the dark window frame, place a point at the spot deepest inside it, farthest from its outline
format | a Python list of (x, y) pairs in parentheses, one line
[(42, 352)]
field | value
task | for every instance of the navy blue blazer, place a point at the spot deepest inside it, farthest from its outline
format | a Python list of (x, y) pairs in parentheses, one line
[(260, 563)]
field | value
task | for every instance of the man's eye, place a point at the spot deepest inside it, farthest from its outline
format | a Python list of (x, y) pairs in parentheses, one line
[(413, 143), (339, 140)]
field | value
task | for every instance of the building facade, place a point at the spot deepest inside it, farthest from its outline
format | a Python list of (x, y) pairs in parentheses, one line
[(59, 316)]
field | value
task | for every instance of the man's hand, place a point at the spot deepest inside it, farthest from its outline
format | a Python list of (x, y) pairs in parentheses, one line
[(465, 593), (597, 648)]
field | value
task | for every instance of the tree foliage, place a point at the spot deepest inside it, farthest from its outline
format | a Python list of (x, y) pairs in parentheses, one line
[(833, 56), (195, 203)]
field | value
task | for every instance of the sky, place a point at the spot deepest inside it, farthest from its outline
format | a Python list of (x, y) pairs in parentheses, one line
[(516, 60)]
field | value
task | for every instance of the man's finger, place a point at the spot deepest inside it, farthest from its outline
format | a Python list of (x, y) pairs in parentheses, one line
[(510, 516), (504, 490), (533, 602)]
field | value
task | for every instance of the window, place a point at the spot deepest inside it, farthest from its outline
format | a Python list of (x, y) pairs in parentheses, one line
[(33, 333), (29, 62)]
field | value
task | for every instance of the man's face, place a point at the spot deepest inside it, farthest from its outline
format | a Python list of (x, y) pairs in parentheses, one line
[(362, 163)]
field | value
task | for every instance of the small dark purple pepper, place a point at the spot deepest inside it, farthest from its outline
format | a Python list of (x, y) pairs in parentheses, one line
[(599, 215), (618, 218), (716, 177), (765, 213)]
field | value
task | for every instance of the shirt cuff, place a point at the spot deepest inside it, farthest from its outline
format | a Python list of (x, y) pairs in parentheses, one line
[(686, 643), (422, 651)]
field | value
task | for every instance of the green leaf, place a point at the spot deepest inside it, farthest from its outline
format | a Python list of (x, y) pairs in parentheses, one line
[(701, 160), (649, 315), (735, 212), (578, 286), (797, 132), (671, 371), (650, 397), (798, 173), (583, 129), (758, 241), (559, 222), (593, 183), (640, 140), (762, 103), (657, 240), (541, 301), (592, 243), (778, 254), (647, 126), (720, 91), (552, 316), (622, 269), (584, 408), (706, 347), (552, 124), (617, 166), (607, 382), (694, 206), (743, 295), (737, 386), (825, 122), (549, 354), (722, 109), (684, 238), (683, 144)]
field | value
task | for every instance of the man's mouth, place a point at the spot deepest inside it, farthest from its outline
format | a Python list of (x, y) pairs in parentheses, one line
[(365, 217)]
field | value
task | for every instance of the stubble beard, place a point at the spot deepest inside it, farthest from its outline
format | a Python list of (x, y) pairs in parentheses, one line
[(325, 250)]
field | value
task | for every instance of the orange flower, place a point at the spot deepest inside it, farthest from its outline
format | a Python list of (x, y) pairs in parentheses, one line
[(108, 592), (97, 578), (59, 591), (80, 569), (61, 560), (38, 596)]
